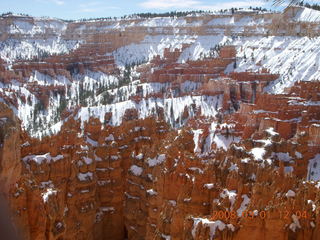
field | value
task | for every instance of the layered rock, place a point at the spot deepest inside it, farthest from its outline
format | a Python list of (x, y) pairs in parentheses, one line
[(150, 129)]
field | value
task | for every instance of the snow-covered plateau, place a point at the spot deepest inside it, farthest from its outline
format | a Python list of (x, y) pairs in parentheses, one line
[(258, 47)]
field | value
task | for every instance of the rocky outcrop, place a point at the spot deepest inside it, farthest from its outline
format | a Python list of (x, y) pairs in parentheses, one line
[(172, 145), (144, 180), (10, 149)]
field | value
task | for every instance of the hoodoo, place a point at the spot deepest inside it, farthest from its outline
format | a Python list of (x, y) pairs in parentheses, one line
[(197, 126)]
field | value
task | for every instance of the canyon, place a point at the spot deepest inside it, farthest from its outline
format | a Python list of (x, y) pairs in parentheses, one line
[(205, 126)]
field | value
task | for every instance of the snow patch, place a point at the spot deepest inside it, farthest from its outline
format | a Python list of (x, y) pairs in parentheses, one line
[(314, 168), (157, 160), (39, 159), (135, 170), (48, 193), (213, 225), (258, 153), (290, 193), (244, 205)]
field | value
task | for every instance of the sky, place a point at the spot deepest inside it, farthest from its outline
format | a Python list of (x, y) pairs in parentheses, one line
[(77, 9)]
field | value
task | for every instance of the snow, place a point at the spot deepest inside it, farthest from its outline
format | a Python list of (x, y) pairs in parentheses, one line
[(114, 157), (213, 225), (36, 27), (139, 156), (84, 148), (189, 86), (151, 192), (221, 21), (87, 160), (92, 142), (312, 224), (288, 169), (208, 185), (84, 191), (298, 154), (224, 142), (196, 134), (284, 157), (234, 167), (110, 137), (201, 46), (32, 36), (104, 169), (244, 204), (231, 195), (271, 131), (48, 122), (258, 153), (39, 159), (98, 159), (306, 15), (149, 47), (314, 207), (230, 68), (147, 107), (152, 46), (48, 193), (232, 21), (90, 79), (46, 80), (245, 160), (157, 160), (294, 58), (43, 185), (130, 196), (166, 237), (296, 224), (58, 157), (290, 193), (196, 169), (12, 49), (314, 168), (107, 209), (85, 176), (167, 22), (137, 171)]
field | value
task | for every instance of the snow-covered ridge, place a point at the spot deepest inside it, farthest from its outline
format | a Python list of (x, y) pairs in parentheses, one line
[(303, 14), (238, 22), (92, 89), (169, 22), (13, 49), (155, 45), (43, 37), (173, 109), (37, 27), (27, 38), (294, 58)]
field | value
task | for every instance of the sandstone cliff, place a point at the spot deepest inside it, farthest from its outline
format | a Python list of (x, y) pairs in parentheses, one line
[(199, 127)]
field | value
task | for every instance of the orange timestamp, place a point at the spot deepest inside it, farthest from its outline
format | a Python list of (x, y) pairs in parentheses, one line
[(227, 215)]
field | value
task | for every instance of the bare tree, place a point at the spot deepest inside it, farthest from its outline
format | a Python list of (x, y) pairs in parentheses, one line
[(290, 2)]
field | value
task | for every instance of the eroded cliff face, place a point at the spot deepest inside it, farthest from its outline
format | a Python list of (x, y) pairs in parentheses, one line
[(10, 149), (201, 127), (144, 180)]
